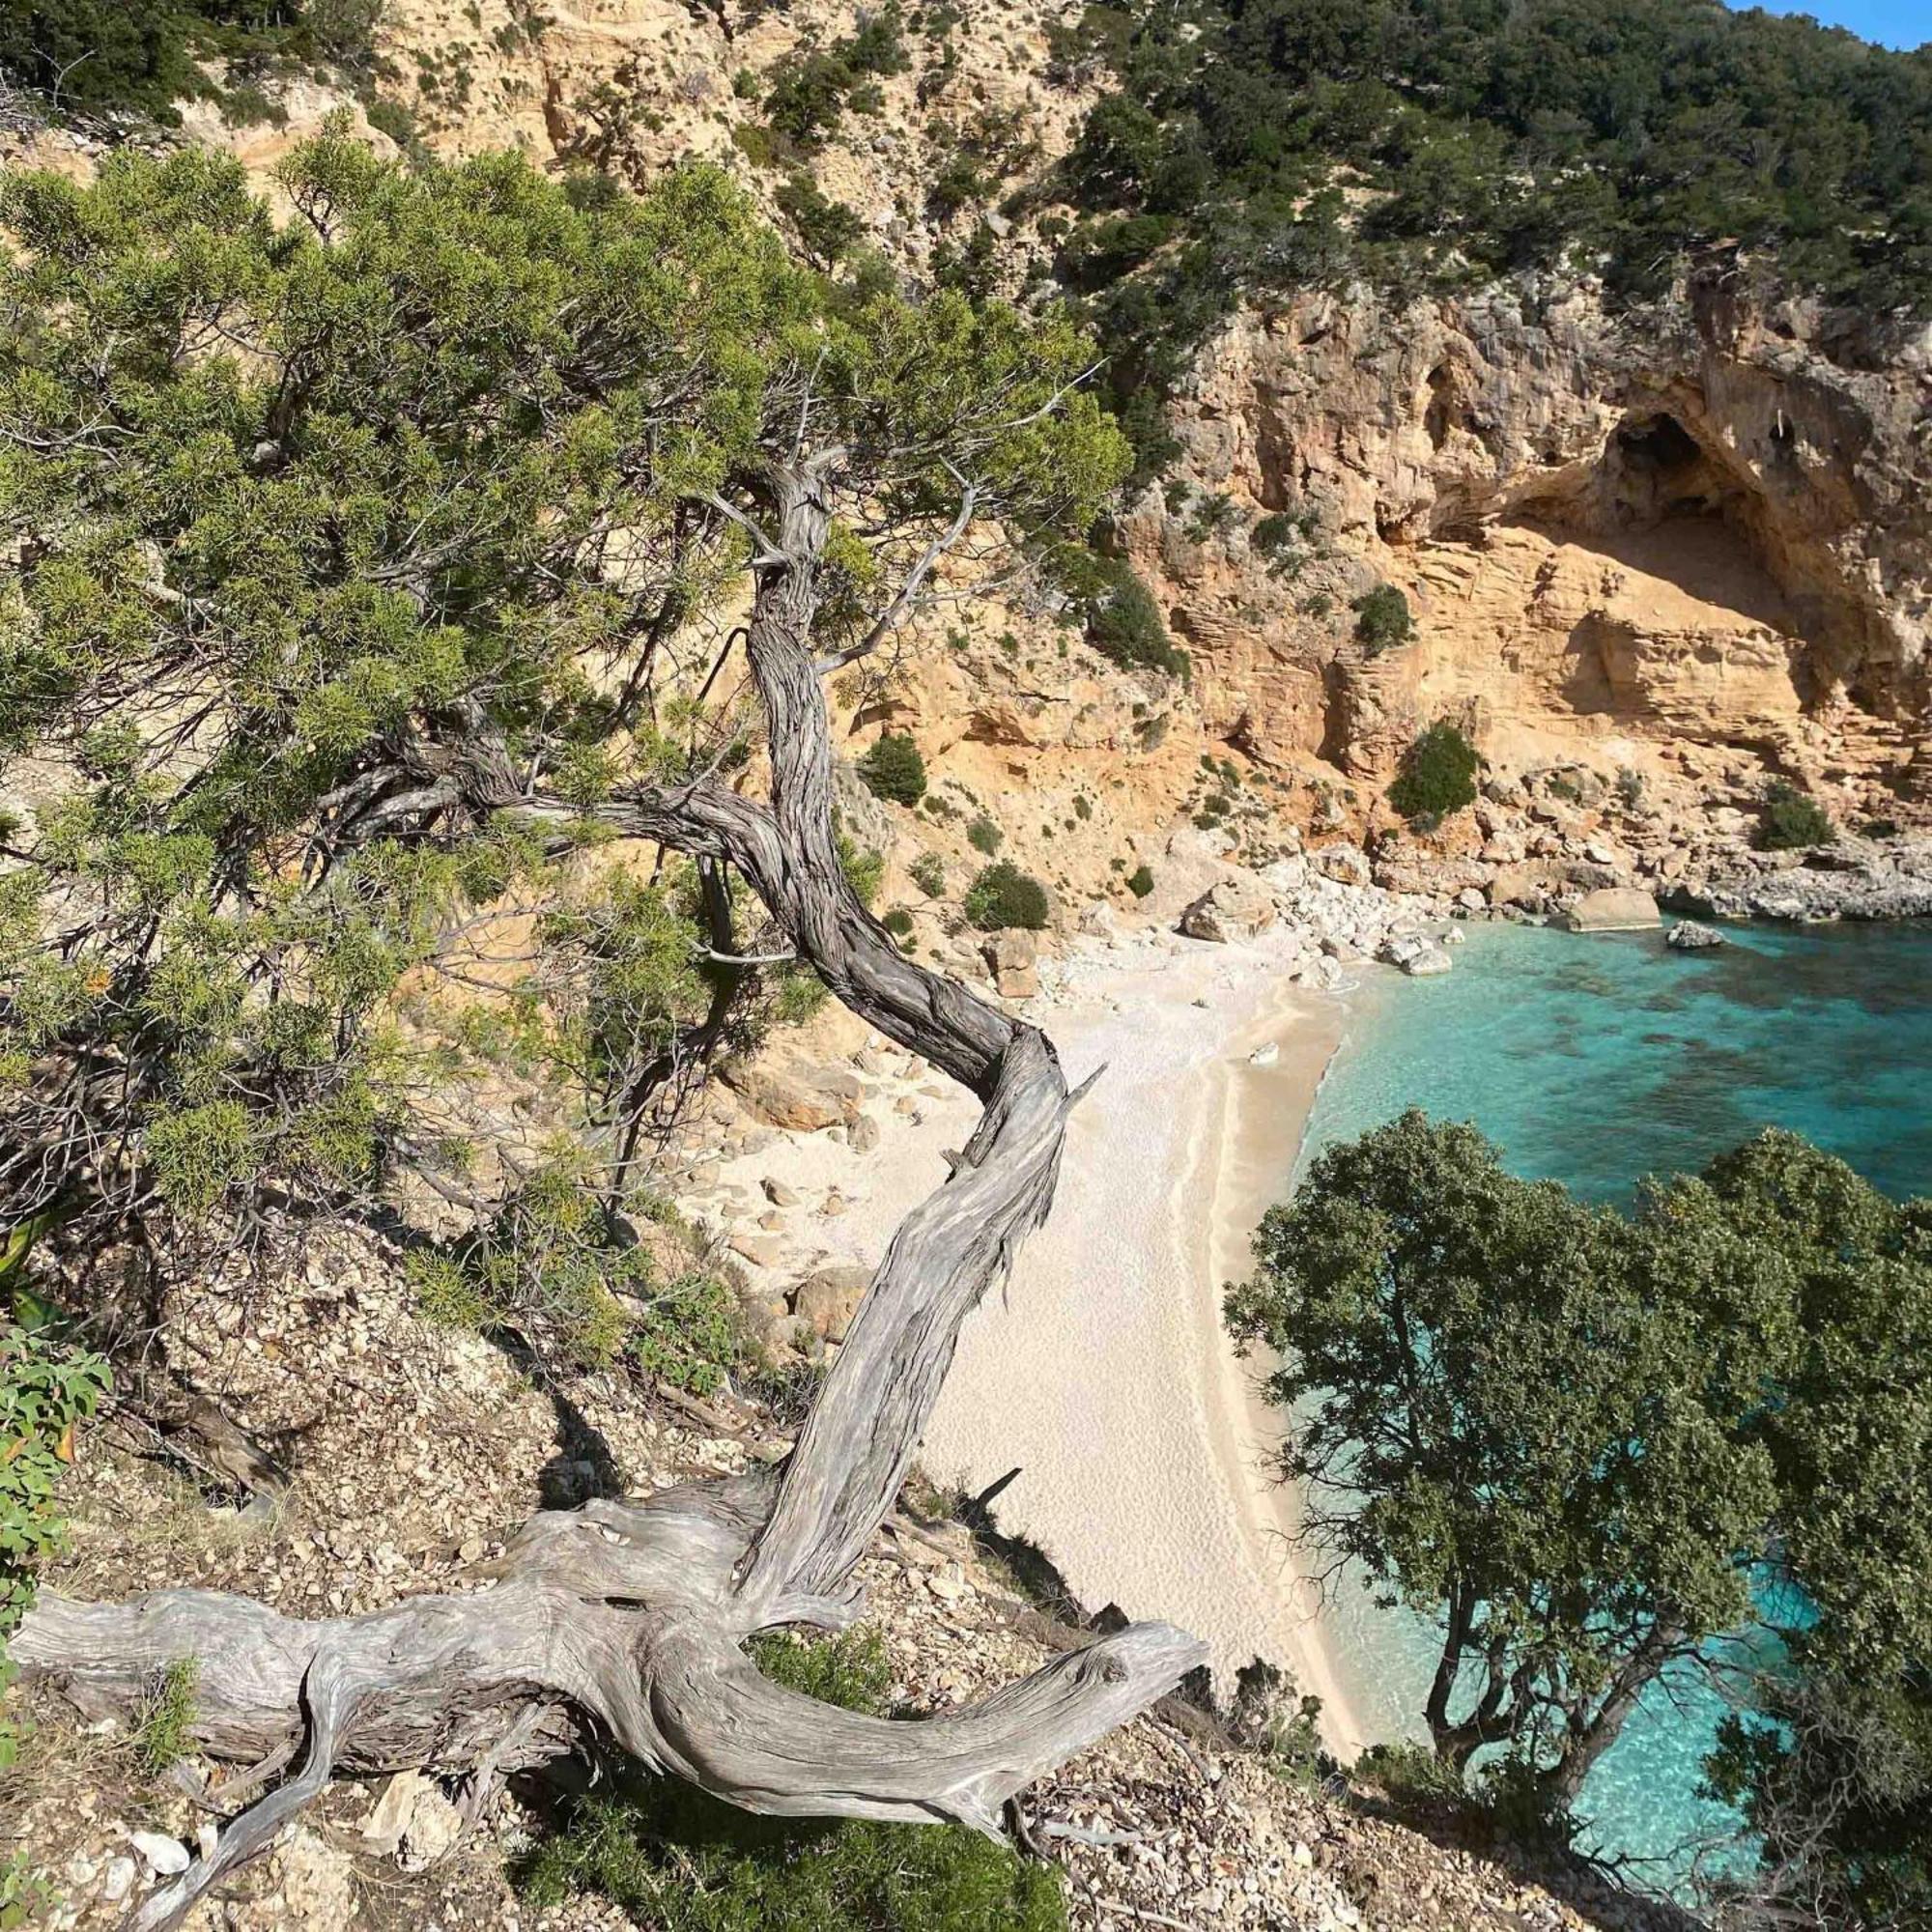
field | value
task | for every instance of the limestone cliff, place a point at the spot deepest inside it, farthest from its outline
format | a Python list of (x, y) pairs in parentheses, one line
[(1692, 541)]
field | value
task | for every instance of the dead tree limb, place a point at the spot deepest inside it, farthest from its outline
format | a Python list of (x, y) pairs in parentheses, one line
[(625, 1621)]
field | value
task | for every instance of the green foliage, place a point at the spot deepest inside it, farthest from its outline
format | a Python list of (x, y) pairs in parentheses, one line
[(899, 922), (27, 1896), (849, 1669), (165, 1732), (813, 91), (1530, 1419), (1140, 882), (1791, 821), (1623, 137), (409, 504), (1125, 624), (557, 1267), (672, 1858), (1412, 1775), (864, 872), (1833, 1766), (928, 874), (827, 228), (1576, 1437), (1002, 896), (1437, 775), (47, 1390), (893, 769), (92, 57), (686, 1333), (1381, 619), (983, 836)]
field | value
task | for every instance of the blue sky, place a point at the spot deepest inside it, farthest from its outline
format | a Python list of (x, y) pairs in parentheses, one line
[(1895, 23)]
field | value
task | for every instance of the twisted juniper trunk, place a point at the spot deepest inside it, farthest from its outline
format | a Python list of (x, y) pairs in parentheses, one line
[(626, 1620)]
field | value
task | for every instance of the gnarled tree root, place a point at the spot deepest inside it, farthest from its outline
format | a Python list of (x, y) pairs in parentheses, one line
[(513, 1674)]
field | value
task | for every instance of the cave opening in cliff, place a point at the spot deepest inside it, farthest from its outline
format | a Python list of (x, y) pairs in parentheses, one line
[(1656, 469)]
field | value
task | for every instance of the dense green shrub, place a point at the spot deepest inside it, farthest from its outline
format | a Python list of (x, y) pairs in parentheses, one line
[(928, 874), (865, 870), (899, 922), (676, 1860), (90, 57), (1381, 618), (1437, 775), (1140, 882), (983, 836), (814, 92), (1791, 821), (893, 769), (554, 1267), (849, 1669), (1003, 896), (47, 1388), (826, 228), (1125, 624)]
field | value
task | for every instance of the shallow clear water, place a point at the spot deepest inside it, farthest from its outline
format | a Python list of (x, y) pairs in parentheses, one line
[(1596, 1059)]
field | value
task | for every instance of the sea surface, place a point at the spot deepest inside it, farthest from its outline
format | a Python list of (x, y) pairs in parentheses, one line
[(1595, 1059)]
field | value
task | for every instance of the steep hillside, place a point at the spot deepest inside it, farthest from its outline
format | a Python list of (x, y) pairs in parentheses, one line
[(1657, 545), (1683, 534)]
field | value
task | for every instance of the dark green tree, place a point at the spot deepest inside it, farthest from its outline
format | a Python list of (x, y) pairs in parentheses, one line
[(86, 58), (371, 571), (388, 587), (1526, 1418), (1631, 138), (1381, 618), (1832, 1763), (893, 769), (1437, 775)]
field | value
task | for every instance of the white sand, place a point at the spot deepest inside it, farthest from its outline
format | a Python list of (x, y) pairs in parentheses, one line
[(1104, 1374)]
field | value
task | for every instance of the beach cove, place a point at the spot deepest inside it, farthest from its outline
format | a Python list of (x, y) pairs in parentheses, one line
[(1102, 1380), (1103, 1376)]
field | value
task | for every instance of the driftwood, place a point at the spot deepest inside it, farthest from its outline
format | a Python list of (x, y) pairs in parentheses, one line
[(624, 1621)]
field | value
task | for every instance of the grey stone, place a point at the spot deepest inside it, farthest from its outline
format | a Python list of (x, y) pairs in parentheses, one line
[(1427, 962), (1688, 936)]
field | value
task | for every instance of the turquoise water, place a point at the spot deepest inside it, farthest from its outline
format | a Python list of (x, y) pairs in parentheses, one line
[(1596, 1059)]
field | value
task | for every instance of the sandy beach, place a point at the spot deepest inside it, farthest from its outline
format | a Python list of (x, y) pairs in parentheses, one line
[(1103, 1376)]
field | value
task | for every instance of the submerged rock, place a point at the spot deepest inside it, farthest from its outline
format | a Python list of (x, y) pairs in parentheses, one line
[(1688, 936)]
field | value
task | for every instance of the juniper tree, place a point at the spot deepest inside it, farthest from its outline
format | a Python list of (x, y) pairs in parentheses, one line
[(395, 578)]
